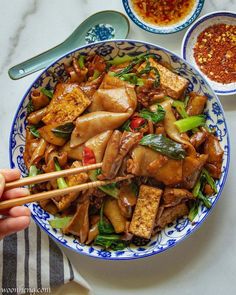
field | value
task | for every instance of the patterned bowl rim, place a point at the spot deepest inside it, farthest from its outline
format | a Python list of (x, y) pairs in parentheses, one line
[(189, 33), (227, 139), (168, 30)]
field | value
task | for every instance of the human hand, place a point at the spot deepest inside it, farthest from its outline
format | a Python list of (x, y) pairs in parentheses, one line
[(16, 218)]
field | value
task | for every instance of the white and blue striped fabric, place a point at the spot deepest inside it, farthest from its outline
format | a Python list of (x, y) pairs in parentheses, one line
[(30, 260)]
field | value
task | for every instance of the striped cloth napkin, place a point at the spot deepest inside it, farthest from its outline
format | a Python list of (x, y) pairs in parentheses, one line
[(31, 262)]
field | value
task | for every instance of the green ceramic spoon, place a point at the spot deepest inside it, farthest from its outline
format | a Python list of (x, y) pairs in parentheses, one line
[(100, 26)]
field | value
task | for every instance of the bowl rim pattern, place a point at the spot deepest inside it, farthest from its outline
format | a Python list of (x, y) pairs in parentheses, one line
[(165, 30), (189, 33), (197, 226)]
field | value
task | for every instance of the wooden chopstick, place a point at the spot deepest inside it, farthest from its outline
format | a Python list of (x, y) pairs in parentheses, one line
[(48, 176), (58, 192)]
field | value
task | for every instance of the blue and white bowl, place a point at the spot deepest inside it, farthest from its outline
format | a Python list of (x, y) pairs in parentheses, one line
[(184, 23), (173, 233), (190, 39)]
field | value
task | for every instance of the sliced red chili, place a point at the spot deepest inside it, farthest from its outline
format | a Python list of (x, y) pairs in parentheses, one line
[(88, 156), (136, 123)]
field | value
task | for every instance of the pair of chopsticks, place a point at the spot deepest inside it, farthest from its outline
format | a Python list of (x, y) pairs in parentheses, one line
[(58, 192)]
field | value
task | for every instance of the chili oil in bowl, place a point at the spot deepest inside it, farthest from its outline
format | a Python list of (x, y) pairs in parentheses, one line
[(174, 232), (164, 16), (210, 45)]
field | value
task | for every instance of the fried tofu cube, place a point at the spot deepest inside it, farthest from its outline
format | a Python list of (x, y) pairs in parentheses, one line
[(145, 212), (173, 84), (68, 102)]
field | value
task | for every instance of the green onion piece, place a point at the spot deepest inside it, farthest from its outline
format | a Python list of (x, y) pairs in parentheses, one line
[(81, 60), (47, 92), (197, 187), (186, 100), (120, 60), (33, 171), (30, 107), (61, 183), (109, 189), (132, 78), (190, 123), (204, 199), (60, 222), (164, 145), (180, 107), (156, 116), (33, 130), (125, 126), (193, 211), (209, 179), (96, 74)]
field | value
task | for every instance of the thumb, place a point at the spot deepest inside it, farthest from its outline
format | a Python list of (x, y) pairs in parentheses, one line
[(2, 184)]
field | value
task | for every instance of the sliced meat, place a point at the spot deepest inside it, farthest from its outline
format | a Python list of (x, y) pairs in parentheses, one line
[(199, 138), (117, 148), (196, 104), (192, 167), (215, 156), (171, 214), (174, 196)]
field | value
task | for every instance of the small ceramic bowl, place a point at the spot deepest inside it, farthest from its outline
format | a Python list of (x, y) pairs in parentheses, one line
[(173, 233), (190, 39), (184, 23)]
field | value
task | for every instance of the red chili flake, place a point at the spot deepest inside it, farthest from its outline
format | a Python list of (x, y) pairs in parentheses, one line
[(163, 12), (88, 156), (215, 53)]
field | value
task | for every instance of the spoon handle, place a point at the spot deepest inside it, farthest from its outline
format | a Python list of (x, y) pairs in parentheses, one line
[(36, 63)]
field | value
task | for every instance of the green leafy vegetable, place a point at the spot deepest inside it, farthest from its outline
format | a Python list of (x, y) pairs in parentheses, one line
[(186, 100), (209, 179), (81, 60), (190, 123), (148, 68), (30, 107), (204, 199), (164, 145), (110, 189), (110, 241), (96, 74), (64, 130), (33, 171), (156, 116), (180, 107), (33, 130), (48, 93), (61, 183), (194, 210), (126, 126), (60, 222), (132, 78), (103, 226), (120, 60)]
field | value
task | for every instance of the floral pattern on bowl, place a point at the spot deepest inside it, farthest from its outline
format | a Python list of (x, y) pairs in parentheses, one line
[(173, 233), (188, 20)]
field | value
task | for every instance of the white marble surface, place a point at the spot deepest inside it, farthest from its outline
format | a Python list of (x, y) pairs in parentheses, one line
[(203, 264)]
